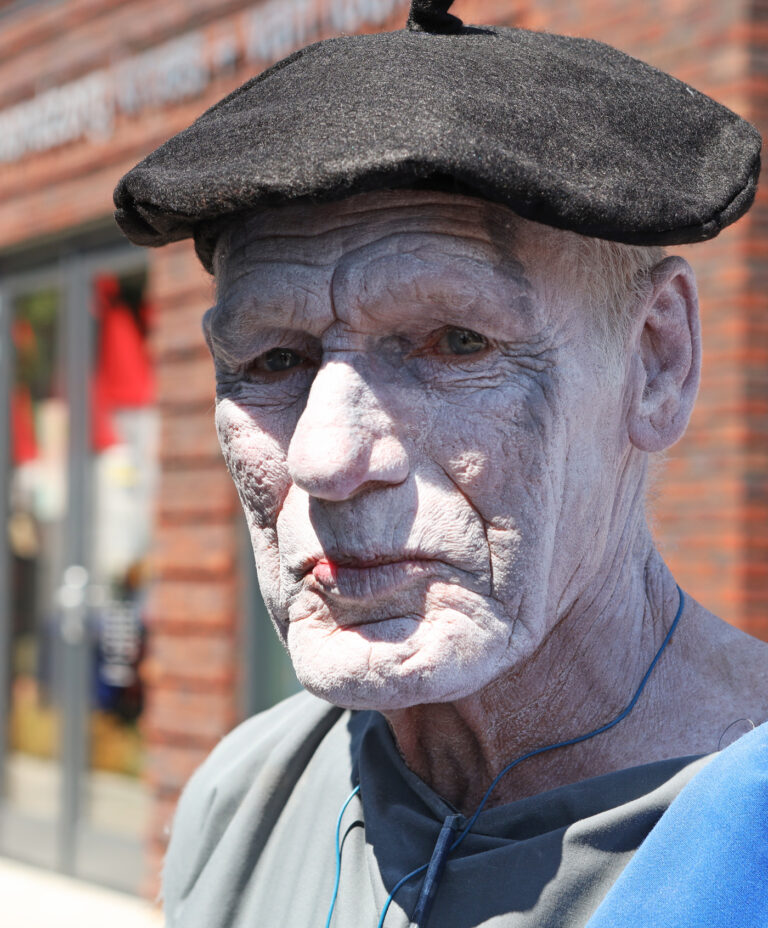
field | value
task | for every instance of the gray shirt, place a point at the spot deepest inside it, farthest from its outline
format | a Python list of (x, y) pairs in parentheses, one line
[(252, 844)]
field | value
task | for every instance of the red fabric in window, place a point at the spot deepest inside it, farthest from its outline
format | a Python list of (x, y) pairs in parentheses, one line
[(124, 375), (24, 441)]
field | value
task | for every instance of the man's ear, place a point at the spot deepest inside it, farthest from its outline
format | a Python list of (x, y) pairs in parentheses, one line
[(666, 361)]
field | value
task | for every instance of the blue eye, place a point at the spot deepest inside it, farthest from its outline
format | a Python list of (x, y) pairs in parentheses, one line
[(281, 359), (462, 341)]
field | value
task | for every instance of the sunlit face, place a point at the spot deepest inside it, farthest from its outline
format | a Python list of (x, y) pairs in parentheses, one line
[(420, 434)]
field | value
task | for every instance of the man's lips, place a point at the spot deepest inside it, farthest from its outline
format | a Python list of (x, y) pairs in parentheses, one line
[(355, 578), (325, 571), (329, 565)]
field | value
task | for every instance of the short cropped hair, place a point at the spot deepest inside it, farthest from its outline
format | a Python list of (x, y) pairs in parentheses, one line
[(613, 277), (618, 277)]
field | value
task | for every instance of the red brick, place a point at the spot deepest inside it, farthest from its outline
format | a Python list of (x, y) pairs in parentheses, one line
[(193, 660), (189, 438), (189, 717), (193, 605), (178, 276), (186, 382), (195, 551), (196, 493), (178, 330)]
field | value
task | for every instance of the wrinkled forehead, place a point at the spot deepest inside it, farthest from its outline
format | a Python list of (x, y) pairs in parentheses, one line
[(461, 233)]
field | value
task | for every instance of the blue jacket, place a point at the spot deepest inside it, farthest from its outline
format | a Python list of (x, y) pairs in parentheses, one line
[(705, 864)]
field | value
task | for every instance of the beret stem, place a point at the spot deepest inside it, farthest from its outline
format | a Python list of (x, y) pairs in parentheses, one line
[(433, 16)]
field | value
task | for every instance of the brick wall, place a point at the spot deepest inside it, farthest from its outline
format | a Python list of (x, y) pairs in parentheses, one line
[(711, 495)]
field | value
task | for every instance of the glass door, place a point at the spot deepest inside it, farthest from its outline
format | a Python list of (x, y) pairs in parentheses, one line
[(36, 468), (79, 465), (123, 464)]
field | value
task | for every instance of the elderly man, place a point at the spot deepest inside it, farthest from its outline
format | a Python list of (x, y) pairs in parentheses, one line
[(446, 342)]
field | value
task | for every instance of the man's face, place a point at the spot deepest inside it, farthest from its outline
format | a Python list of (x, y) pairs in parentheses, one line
[(422, 434)]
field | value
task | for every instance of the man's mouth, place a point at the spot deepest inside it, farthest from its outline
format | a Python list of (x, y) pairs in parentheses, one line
[(356, 578)]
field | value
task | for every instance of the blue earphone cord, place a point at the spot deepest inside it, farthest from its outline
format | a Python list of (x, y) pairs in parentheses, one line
[(550, 747), (349, 799)]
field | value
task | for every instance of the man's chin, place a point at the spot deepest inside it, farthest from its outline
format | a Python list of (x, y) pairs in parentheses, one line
[(396, 661), (388, 682)]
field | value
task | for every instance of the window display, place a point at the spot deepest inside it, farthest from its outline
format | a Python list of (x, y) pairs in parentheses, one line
[(74, 748)]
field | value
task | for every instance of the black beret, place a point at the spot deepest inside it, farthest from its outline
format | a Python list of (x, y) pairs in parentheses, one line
[(565, 131)]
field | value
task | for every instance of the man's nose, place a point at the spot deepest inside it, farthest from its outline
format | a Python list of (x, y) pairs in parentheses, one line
[(344, 441)]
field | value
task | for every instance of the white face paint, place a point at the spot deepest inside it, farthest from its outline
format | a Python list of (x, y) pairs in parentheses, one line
[(425, 455)]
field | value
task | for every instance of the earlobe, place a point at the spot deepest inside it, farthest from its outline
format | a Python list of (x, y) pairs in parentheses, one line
[(666, 358)]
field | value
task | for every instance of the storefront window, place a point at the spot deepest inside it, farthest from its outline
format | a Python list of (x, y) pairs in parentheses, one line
[(124, 437), (81, 467), (38, 503)]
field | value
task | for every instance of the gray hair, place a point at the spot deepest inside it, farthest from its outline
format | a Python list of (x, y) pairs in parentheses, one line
[(614, 277), (618, 278)]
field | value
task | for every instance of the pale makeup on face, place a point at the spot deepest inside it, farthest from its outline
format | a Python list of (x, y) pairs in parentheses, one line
[(413, 431), (444, 484)]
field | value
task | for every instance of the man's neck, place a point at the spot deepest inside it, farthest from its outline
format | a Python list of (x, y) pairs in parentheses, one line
[(582, 677)]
